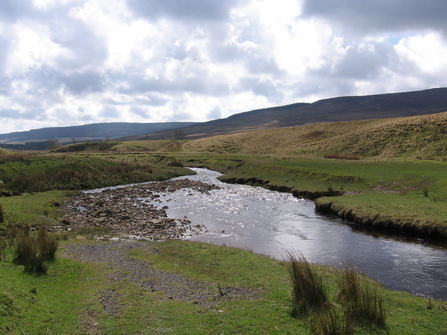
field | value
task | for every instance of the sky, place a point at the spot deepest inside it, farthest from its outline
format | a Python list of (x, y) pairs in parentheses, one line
[(74, 62)]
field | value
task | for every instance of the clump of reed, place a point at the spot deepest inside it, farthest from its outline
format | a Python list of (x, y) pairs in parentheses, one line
[(360, 299), (308, 290), (331, 322), (1, 214), (34, 253)]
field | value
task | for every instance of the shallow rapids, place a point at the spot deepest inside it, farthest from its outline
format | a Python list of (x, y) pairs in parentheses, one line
[(271, 223)]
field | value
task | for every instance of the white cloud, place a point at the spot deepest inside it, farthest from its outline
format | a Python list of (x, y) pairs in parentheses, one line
[(427, 52), (67, 62)]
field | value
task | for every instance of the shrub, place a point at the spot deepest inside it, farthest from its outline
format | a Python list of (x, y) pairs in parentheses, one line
[(308, 291), (360, 298)]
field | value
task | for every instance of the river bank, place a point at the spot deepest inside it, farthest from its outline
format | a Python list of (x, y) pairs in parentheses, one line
[(331, 202)]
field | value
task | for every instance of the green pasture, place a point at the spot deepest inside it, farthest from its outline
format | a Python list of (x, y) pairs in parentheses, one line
[(68, 299)]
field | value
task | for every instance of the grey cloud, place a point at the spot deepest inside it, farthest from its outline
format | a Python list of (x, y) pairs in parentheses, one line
[(140, 111), (46, 81), (14, 114), (109, 112), (11, 10), (152, 100), (200, 82), (202, 10), (88, 50), (5, 84), (365, 62), (180, 116), (261, 88), (4, 48), (214, 114), (381, 15), (83, 82)]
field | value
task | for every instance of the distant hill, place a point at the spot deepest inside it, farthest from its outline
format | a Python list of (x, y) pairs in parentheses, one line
[(323, 111), (90, 132)]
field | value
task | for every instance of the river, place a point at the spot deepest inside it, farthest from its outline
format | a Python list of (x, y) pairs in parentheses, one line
[(271, 223)]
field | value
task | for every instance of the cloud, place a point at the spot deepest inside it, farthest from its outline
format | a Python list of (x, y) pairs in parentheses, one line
[(76, 61), (214, 113), (381, 16), (11, 10), (190, 10)]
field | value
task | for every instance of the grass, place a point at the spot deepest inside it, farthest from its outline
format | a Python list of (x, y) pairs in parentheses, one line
[(68, 299), (308, 291), (55, 303), (79, 171), (407, 137), (41, 208), (331, 322), (387, 183), (360, 300)]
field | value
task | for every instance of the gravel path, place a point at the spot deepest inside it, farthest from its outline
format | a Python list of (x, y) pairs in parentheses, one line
[(169, 285)]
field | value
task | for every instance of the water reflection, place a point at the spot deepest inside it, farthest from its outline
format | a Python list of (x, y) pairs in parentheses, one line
[(270, 223)]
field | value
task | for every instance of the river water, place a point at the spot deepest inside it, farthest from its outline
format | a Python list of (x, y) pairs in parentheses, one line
[(272, 223)]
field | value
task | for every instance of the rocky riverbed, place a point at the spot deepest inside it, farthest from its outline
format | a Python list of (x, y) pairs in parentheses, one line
[(133, 212)]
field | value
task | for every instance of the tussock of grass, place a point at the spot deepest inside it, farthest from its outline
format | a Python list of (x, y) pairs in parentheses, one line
[(308, 291), (360, 299), (34, 253), (331, 322)]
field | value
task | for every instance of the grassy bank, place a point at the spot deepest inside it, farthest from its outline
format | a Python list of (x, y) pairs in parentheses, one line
[(38, 173), (70, 298)]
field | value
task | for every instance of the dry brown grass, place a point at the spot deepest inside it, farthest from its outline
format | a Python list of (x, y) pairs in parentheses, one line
[(406, 137)]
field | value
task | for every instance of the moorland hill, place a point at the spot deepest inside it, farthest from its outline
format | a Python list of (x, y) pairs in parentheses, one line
[(350, 108), (422, 137), (416, 137)]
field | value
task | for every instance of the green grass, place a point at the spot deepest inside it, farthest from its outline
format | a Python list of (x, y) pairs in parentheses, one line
[(54, 303), (308, 290), (40, 173), (64, 300), (408, 213), (38, 209)]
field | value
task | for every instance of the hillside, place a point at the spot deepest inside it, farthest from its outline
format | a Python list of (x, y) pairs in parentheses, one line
[(328, 110), (413, 137), (97, 131)]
